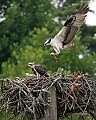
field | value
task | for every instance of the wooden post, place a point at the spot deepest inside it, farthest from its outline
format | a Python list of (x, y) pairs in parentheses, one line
[(51, 108), (34, 109)]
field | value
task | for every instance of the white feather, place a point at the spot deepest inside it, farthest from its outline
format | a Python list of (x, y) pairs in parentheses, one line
[(57, 41)]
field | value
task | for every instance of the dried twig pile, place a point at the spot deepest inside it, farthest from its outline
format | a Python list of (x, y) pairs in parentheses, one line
[(75, 93)]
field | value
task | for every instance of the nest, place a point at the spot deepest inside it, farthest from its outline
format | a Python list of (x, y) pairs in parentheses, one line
[(25, 97)]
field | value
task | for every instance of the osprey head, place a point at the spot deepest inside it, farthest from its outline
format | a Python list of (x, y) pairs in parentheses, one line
[(47, 42), (30, 64)]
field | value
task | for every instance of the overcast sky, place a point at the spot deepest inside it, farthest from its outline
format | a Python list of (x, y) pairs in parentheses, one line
[(91, 17)]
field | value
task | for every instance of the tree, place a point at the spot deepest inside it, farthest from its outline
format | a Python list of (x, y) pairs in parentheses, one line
[(21, 18), (88, 37), (28, 24), (22, 35), (30, 52), (34, 51)]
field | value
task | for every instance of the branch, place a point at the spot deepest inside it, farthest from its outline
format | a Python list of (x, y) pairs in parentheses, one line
[(24, 97)]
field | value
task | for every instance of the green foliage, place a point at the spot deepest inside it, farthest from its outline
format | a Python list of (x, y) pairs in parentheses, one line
[(34, 51), (78, 117), (88, 37), (23, 32), (21, 18)]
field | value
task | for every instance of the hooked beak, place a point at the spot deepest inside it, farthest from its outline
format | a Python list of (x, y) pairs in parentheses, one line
[(28, 65), (44, 45)]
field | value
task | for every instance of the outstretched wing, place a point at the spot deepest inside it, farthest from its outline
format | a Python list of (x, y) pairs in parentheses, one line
[(72, 25)]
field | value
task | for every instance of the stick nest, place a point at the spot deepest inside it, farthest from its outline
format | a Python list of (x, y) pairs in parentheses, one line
[(24, 97)]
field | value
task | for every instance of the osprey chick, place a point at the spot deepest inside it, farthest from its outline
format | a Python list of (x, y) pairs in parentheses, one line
[(68, 32), (38, 69)]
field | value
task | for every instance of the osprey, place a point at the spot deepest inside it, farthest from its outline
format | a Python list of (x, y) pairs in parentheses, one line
[(67, 33), (38, 69)]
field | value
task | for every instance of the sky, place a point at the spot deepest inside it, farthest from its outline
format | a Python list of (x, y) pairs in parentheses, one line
[(91, 17)]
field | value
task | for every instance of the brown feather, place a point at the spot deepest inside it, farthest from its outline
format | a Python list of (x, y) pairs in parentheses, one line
[(41, 70), (73, 32), (73, 24)]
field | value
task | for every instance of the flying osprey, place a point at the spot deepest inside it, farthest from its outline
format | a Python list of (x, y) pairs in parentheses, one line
[(67, 33), (38, 69)]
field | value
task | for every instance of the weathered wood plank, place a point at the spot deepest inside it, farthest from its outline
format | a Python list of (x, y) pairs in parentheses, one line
[(51, 108)]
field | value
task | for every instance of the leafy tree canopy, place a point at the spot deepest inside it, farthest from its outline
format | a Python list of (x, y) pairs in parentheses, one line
[(34, 51), (25, 28)]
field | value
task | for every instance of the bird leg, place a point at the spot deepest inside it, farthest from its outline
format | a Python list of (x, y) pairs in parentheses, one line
[(54, 56), (37, 74)]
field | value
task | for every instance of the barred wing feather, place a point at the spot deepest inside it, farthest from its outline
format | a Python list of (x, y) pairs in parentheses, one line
[(74, 22)]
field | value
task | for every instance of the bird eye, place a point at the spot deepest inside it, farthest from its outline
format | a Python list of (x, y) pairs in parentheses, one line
[(49, 40)]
